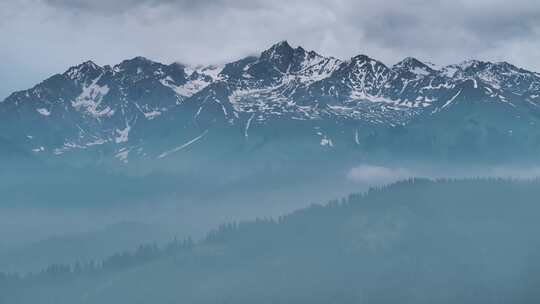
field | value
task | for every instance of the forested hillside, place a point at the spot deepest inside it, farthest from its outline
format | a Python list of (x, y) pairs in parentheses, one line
[(417, 241)]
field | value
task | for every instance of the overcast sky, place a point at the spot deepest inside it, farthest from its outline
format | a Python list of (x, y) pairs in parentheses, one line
[(43, 37)]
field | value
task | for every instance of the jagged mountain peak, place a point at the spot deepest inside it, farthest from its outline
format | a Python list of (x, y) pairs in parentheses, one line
[(89, 64), (278, 51), (478, 66), (283, 50), (363, 62), (362, 65), (360, 57), (365, 58), (139, 60), (178, 65), (281, 46), (413, 65), (282, 56), (281, 62), (500, 76), (137, 65), (83, 71), (506, 67), (472, 65), (467, 67)]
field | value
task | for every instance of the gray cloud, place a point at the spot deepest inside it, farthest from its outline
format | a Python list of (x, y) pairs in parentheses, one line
[(41, 37), (106, 7), (378, 175)]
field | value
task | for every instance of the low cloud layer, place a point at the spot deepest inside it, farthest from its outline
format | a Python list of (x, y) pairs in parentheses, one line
[(377, 175), (41, 37)]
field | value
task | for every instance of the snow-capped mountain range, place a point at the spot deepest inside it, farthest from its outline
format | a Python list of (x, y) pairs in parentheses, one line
[(154, 110)]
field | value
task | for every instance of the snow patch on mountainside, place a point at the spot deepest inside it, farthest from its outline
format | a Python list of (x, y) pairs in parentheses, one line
[(212, 71), (122, 134), (90, 99), (123, 154), (188, 89), (183, 146), (420, 71), (43, 111), (151, 115), (248, 124), (96, 142), (316, 68)]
